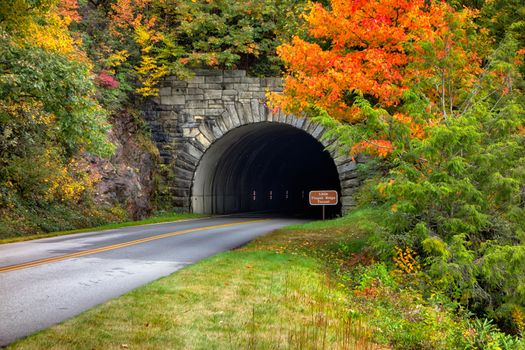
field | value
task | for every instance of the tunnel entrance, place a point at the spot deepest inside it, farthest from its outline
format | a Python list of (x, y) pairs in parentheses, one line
[(264, 167)]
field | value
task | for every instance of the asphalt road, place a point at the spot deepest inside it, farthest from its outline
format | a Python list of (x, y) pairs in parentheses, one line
[(45, 281)]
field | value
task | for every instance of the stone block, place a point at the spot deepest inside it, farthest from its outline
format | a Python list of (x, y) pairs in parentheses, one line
[(350, 183), (347, 191), (179, 84), (189, 161), (247, 111), (255, 110), (181, 183), (160, 137), (251, 81), (237, 73), (273, 116), (210, 86), (217, 132), (166, 115), (241, 87), (272, 83), (195, 97), (230, 92), (180, 192), (213, 79), (267, 113), (318, 131), (206, 132), (190, 132), (199, 146), (179, 91), (363, 158), (165, 91), (227, 80), (240, 113), (185, 163), (329, 144), (346, 167), (212, 94), (229, 98), (181, 203), (173, 100), (297, 122), (221, 125), (245, 95), (198, 104), (203, 140), (165, 154), (342, 159), (348, 201), (255, 88), (226, 121), (213, 112), (192, 112), (261, 95), (232, 114), (185, 174), (194, 91)]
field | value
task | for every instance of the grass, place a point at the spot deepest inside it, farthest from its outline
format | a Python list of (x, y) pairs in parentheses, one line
[(164, 217), (237, 300)]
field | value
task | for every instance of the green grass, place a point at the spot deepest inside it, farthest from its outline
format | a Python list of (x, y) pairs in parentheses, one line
[(164, 217), (237, 300), (362, 220)]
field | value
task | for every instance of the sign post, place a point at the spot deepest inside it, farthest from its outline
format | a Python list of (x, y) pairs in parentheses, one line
[(323, 198)]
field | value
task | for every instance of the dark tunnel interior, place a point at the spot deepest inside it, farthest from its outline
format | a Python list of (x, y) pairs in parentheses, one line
[(264, 167)]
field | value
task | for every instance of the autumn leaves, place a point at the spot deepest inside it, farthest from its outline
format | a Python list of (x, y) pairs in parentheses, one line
[(375, 50)]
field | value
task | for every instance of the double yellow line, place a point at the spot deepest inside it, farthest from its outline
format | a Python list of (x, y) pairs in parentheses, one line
[(117, 246)]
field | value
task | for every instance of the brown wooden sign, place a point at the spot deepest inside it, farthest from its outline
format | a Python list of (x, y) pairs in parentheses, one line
[(323, 197)]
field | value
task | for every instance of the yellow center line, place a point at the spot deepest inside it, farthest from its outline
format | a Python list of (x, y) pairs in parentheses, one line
[(117, 246)]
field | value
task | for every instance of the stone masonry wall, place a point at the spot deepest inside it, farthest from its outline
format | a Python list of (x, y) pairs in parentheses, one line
[(189, 116)]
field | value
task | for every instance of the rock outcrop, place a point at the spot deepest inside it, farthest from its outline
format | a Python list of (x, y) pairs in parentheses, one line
[(127, 178)]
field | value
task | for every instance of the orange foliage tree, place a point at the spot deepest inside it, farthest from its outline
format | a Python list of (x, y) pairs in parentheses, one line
[(373, 52)]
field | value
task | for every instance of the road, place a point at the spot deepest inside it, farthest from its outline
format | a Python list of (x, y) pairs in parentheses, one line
[(45, 281)]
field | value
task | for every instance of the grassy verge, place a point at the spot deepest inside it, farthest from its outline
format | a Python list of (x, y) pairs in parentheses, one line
[(165, 217), (313, 286), (236, 300)]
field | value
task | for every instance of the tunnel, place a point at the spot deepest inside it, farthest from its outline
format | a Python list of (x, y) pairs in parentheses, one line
[(264, 167)]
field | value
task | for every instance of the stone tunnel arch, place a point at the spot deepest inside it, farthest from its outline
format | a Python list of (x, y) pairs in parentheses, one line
[(264, 166), (195, 122)]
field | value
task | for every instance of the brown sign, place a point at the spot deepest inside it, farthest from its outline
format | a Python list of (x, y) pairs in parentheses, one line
[(323, 197)]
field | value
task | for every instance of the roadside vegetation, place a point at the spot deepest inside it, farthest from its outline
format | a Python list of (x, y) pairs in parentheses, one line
[(154, 219), (433, 93), (313, 286)]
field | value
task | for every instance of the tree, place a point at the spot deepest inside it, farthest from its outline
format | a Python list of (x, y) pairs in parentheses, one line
[(173, 36), (357, 48), (361, 54), (404, 82), (48, 110)]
